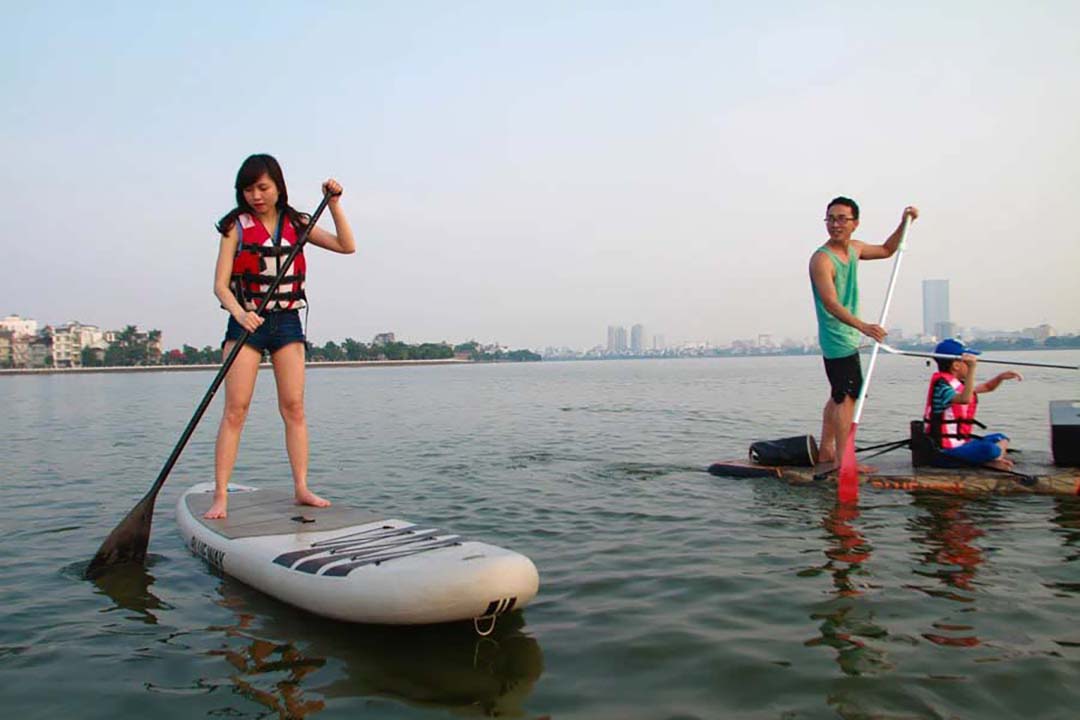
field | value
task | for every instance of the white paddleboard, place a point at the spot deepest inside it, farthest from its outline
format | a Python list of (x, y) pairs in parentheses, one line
[(351, 564)]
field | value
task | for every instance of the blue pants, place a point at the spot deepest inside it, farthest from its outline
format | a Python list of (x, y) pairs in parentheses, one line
[(978, 451)]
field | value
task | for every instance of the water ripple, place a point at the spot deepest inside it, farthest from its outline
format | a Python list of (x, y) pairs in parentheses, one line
[(665, 592)]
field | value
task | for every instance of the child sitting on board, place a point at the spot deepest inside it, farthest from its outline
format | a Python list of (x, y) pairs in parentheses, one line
[(951, 401)]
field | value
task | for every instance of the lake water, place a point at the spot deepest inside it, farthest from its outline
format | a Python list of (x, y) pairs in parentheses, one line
[(665, 592)]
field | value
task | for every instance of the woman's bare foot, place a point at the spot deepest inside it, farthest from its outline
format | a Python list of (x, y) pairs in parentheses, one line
[(306, 497), (865, 469), (217, 509)]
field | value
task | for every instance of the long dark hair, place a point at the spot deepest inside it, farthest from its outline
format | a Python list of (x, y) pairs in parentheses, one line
[(250, 171)]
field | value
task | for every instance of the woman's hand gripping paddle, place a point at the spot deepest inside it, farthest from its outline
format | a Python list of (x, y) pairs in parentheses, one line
[(848, 481), (128, 540)]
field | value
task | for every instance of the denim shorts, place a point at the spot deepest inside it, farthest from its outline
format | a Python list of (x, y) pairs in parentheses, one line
[(278, 330)]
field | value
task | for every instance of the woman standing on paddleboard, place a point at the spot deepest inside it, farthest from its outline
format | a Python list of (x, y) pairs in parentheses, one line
[(256, 237)]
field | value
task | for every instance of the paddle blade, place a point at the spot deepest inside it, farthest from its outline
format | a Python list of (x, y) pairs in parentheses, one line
[(128, 540), (848, 479)]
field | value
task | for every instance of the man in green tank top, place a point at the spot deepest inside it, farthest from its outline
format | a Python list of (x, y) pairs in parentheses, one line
[(835, 284)]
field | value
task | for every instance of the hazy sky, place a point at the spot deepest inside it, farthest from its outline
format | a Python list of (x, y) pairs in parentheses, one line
[(530, 173)]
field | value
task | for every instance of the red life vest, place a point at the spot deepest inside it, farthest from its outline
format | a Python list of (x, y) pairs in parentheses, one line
[(258, 261), (951, 428)]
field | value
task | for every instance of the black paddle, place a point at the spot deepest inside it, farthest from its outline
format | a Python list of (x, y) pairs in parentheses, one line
[(128, 540)]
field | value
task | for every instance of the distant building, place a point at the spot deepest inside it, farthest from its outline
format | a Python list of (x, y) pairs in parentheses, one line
[(935, 299), (39, 351), (637, 339), (383, 339), (978, 333), (945, 329), (69, 340), (20, 350), (5, 349), (658, 342), (1039, 333), (19, 326), (616, 339)]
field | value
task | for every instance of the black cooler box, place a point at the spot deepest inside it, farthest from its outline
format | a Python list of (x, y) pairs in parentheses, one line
[(1065, 432)]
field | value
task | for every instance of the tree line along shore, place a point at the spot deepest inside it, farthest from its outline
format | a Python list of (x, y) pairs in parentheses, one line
[(131, 349)]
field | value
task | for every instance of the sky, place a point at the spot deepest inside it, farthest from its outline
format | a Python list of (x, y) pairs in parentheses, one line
[(530, 173)]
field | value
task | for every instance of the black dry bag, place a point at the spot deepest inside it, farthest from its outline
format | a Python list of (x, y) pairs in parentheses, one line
[(800, 450)]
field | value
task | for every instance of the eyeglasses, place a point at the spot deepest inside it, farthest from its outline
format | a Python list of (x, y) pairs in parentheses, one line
[(838, 219)]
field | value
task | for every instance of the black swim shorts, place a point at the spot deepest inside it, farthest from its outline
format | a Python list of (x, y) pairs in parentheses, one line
[(845, 376)]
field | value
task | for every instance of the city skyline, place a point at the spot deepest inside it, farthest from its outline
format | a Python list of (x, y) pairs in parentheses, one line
[(24, 345), (617, 338), (525, 174)]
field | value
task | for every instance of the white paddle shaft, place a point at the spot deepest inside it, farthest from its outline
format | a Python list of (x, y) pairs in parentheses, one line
[(881, 321)]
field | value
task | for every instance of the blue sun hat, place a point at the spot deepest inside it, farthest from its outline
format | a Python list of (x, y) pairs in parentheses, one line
[(952, 346)]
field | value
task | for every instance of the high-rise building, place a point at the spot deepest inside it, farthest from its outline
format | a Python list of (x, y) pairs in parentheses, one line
[(935, 305), (616, 339), (620, 339), (637, 339)]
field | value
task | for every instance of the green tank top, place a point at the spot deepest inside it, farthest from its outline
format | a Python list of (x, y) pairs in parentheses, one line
[(838, 339)]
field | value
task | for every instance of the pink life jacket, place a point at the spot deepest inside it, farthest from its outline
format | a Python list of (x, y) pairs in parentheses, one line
[(952, 428), (258, 261)]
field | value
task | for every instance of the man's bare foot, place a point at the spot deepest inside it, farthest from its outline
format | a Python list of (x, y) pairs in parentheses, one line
[(217, 510), (1001, 464), (306, 497), (864, 469)]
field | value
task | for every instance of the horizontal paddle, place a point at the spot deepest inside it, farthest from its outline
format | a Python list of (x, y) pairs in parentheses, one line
[(944, 356), (128, 540)]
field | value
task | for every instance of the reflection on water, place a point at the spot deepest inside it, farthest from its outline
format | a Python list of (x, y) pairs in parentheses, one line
[(129, 587), (1067, 517), (276, 653), (1065, 581), (667, 593), (848, 549), (274, 649), (948, 534), (846, 625), (951, 556), (270, 673)]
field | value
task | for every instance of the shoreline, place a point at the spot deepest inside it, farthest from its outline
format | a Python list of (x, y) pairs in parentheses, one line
[(215, 367), (440, 361)]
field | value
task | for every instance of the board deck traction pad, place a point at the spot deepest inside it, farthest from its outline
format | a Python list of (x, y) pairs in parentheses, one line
[(261, 513)]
